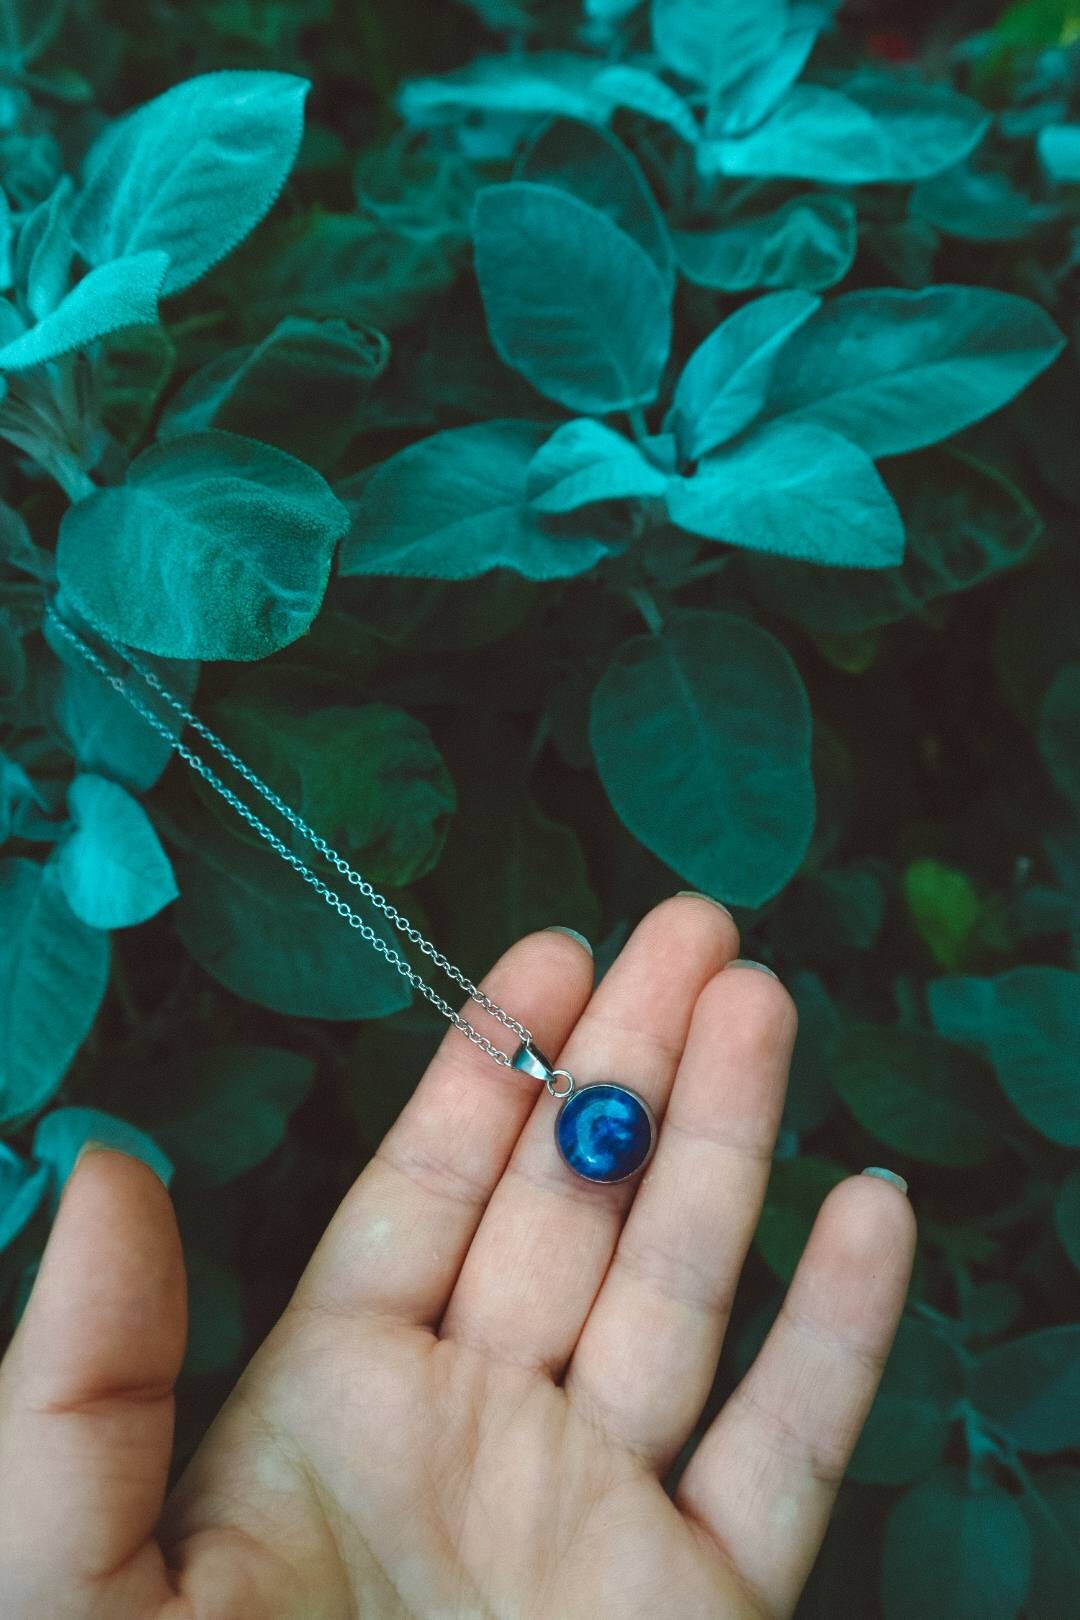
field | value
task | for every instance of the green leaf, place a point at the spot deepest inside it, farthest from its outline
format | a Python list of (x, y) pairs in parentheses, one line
[(916, 1093), (191, 172), (22, 1188), (1059, 732), (796, 1190), (724, 383), (454, 506), (368, 776), (1067, 1216), (325, 368), (583, 462), (117, 295), (702, 741), (713, 42), (216, 1327), (214, 547), (1052, 1510), (53, 972), (797, 490), (917, 1402), (61, 1136), (945, 908), (1028, 1022), (808, 242), (894, 370), (951, 1551), (572, 301), (112, 868), (1030, 1388)]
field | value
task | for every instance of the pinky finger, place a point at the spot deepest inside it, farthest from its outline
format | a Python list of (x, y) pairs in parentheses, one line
[(764, 1478)]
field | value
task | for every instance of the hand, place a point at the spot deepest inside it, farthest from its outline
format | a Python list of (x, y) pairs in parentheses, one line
[(470, 1404)]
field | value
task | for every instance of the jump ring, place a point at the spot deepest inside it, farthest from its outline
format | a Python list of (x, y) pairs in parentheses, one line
[(568, 1089)]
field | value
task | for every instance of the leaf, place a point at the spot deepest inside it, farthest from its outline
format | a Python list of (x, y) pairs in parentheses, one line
[(585, 461), (215, 1339), (951, 1551), (702, 740), (1059, 152), (547, 84), (946, 910), (714, 42), (191, 172), (1059, 732), (53, 972), (796, 1191), (876, 129), (916, 1093), (1052, 1509), (808, 242), (326, 368), (809, 1097), (724, 383), (750, 100), (795, 489), (1030, 1389), (368, 776), (214, 547), (117, 295), (894, 370), (44, 252), (453, 506), (22, 1188), (62, 1135), (917, 1402), (1067, 1216), (572, 301), (26, 28), (1028, 1022), (979, 205), (621, 85), (111, 866)]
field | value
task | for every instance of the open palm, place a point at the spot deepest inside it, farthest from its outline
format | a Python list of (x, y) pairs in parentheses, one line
[(489, 1366)]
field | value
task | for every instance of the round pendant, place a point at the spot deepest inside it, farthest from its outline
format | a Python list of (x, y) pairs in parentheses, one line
[(605, 1132)]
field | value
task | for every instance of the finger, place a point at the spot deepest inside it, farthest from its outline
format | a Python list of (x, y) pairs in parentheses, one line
[(766, 1473), (547, 1237), (86, 1396), (647, 1355), (397, 1243)]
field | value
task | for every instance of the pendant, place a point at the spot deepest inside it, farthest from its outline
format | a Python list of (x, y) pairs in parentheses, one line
[(604, 1132)]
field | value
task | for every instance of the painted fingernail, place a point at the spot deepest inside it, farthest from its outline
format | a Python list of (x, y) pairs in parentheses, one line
[(696, 894), (886, 1175), (744, 961), (571, 933), (88, 1146)]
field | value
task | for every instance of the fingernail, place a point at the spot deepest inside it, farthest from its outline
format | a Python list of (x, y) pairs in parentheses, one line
[(88, 1147), (696, 894), (886, 1175), (571, 933), (744, 961)]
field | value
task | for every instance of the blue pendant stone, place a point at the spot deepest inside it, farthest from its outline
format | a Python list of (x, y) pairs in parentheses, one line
[(605, 1132)]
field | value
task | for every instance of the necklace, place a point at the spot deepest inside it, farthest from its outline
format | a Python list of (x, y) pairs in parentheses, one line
[(605, 1132)]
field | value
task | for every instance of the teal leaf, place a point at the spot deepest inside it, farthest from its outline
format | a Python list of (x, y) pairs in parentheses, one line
[(215, 1338), (111, 866), (916, 1093), (957, 1552), (979, 205), (809, 1097), (702, 740), (724, 383), (1059, 732), (44, 252), (454, 506), (876, 129), (750, 100), (191, 172), (213, 547), (26, 28), (1028, 1022), (796, 490), (585, 461), (713, 42), (61, 1136), (572, 301), (895, 370), (796, 1191), (53, 972), (22, 1188), (807, 242), (300, 389), (120, 294), (915, 1407), (1052, 1507), (546, 84), (1030, 1389), (1067, 1216), (1059, 152), (622, 85)]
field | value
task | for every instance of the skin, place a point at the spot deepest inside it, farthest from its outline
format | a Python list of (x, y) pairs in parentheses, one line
[(489, 1366)]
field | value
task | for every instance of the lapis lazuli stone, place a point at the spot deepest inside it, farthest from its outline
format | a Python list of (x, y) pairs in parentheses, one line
[(604, 1132)]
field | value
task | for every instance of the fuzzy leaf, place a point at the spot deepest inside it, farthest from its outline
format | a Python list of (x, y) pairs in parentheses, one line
[(807, 242), (953, 1551), (112, 868), (1030, 1388), (585, 461), (114, 296)]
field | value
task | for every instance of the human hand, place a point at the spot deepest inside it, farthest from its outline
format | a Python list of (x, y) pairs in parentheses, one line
[(471, 1402)]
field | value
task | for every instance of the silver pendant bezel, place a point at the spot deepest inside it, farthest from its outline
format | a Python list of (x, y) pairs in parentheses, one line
[(654, 1131)]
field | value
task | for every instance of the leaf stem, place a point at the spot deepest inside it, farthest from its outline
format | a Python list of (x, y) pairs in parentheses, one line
[(646, 605)]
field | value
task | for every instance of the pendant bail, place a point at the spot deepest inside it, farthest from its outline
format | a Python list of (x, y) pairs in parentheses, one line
[(531, 1061)]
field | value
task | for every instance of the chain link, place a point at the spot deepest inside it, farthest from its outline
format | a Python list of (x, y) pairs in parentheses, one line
[(332, 898)]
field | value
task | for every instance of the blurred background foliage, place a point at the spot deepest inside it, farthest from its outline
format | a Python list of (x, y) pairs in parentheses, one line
[(795, 623)]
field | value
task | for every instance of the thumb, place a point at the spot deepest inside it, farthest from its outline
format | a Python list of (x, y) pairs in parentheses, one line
[(86, 1399)]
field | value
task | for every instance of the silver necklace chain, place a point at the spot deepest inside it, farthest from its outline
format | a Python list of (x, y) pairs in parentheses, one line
[(255, 822)]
